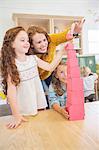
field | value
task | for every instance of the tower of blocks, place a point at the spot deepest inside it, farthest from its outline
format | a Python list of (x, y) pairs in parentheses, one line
[(75, 93)]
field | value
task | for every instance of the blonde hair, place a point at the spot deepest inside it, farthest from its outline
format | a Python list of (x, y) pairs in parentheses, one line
[(85, 71)]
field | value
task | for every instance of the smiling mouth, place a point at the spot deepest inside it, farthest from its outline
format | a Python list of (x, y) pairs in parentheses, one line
[(26, 47), (43, 49), (41, 52)]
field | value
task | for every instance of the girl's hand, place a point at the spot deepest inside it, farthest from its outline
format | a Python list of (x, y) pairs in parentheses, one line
[(16, 121), (64, 113)]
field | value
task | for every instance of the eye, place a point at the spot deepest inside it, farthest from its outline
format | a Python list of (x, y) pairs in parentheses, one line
[(62, 72), (22, 39), (45, 40), (39, 42)]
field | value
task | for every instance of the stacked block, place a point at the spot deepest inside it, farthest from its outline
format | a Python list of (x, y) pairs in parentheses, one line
[(75, 92)]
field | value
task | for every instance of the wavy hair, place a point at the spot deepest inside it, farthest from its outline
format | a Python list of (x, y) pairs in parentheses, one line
[(56, 83), (32, 30), (8, 55)]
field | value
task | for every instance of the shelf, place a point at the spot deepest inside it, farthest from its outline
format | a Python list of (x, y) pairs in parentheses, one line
[(52, 24)]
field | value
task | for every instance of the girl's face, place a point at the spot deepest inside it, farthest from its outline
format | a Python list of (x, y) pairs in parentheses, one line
[(21, 43), (61, 73), (40, 43)]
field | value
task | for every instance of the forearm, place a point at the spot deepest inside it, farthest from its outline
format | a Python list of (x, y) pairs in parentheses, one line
[(51, 66), (13, 102), (57, 107), (60, 110), (55, 61), (58, 38), (14, 107)]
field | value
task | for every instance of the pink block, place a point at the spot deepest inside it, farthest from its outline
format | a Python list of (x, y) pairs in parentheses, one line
[(69, 46), (76, 112), (75, 97), (74, 72), (72, 62), (72, 65), (71, 54), (74, 84)]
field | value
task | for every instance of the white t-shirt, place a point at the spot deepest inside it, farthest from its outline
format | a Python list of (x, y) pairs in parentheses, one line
[(89, 82)]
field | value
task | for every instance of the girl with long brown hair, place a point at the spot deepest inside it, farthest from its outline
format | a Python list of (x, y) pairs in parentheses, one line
[(21, 80)]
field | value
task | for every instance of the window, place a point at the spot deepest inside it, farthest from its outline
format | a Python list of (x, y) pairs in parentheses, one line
[(93, 41)]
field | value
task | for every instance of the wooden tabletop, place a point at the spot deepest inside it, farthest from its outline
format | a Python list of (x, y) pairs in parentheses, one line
[(50, 131)]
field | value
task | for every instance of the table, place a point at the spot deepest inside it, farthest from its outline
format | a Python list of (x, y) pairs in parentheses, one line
[(51, 131)]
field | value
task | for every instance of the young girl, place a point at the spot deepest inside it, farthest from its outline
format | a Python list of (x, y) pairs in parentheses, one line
[(57, 90), (20, 76), (89, 79)]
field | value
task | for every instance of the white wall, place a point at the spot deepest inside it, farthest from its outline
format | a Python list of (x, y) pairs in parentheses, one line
[(52, 7)]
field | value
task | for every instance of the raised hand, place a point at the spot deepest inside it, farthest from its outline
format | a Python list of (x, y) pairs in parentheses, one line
[(78, 26), (75, 29)]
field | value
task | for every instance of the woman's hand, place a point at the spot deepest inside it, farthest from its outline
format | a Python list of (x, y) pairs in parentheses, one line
[(16, 121), (76, 28)]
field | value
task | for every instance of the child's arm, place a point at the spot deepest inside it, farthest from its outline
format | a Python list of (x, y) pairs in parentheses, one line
[(55, 104), (61, 110), (50, 66), (95, 75), (11, 94)]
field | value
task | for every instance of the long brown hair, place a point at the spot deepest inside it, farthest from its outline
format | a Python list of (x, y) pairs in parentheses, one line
[(32, 30), (8, 55), (56, 83)]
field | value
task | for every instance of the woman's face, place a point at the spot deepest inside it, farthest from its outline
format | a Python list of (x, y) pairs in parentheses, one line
[(40, 43), (61, 73)]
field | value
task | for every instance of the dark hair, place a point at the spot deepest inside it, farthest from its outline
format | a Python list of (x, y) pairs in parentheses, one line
[(32, 30), (56, 83), (8, 55)]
